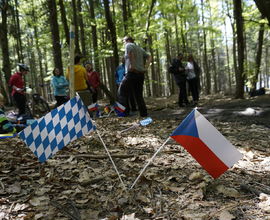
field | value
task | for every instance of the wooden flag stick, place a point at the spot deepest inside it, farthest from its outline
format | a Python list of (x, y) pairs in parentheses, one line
[(71, 61), (111, 160), (152, 158)]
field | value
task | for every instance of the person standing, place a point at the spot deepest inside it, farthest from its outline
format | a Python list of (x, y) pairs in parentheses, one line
[(193, 74), (80, 81), (60, 87), (93, 81), (178, 70), (120, 73), (16, 81), (136, 61), (119, 76)]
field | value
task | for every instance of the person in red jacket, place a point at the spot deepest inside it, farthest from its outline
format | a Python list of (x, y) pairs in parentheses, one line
[(93, 81), (18, 88)]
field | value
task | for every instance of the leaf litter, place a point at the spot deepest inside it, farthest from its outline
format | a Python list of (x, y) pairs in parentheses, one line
[(79, 182)]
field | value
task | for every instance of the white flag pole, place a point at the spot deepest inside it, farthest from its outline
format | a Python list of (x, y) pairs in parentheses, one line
[(111, 160), (131, 127), (71, 61), (152, 158)]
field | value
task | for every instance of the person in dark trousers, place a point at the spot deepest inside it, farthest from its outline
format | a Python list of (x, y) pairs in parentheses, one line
[(119, 76), (93, 81), (136, 62), (178, 70), (16, 81), (60, 87), (193, 75), (5, 125)]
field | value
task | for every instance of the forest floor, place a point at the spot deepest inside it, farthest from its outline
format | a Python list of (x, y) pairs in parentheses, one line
[(80, 182)]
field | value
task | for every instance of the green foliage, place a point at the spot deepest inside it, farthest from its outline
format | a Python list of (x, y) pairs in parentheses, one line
[(172, 17)]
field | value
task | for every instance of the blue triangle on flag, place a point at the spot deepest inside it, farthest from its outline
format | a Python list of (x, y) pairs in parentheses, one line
[(187, 127)]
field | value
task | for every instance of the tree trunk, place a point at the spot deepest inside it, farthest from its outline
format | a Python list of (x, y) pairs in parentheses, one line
[(125, 16), (228, 60), (57, 55), (4, 46), (266, 84), (240, 75), (264, 8), (154, 91), (182, 28), (94, 34), (113, 38), (148, 40), (176, 34), (40, 89), (169, 86), (258, 56), (158, 71), (18, 33), (75, 22), (206, 66), (213, 53), (234, 41), (81, 24), (32, 63), (64, 20)]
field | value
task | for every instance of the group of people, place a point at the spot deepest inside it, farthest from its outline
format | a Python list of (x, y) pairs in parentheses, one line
[(129, 78), (86, 83), (184, 74)]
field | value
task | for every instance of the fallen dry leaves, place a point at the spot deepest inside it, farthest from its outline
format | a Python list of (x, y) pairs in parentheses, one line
[(80, 182)]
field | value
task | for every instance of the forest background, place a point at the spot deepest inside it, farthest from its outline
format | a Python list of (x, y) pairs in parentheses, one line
[(229, 39)]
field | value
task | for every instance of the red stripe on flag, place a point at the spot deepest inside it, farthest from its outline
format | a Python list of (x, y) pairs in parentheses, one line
[(119, 109), (204, 156)]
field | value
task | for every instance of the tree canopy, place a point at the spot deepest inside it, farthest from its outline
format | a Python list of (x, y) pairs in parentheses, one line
[(37, 33)]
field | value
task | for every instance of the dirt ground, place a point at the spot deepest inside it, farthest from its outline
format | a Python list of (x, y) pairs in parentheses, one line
[(80, 181)]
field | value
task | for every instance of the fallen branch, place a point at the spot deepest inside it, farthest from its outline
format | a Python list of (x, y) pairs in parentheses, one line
[(66, 211), (97, 156), (231, 206), (253, 190), (96, 180)]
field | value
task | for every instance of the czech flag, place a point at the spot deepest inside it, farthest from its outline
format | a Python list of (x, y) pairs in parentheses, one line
[(206, 144), (93, 107), (119, 107)]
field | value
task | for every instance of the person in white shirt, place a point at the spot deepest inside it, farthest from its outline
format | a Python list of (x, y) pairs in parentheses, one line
[(193, 73)]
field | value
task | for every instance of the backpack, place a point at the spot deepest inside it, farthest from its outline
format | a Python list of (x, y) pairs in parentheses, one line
[(171, 69)]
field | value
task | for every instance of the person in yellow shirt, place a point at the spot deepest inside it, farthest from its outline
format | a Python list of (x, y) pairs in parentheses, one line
[(80, 81)]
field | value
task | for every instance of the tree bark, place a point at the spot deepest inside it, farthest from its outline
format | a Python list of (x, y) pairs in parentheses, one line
[(258, 56), (148, 40), (125, 16), (213, 53), (40, 89), (94, 34), (57, 55), (113, 39), (266, 84), (240, 75), (169, 87), (75, 22), (264, 8), (18, 33), (64, 20), (81, 24), (228, 60), (206, 65), (5, 46)]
